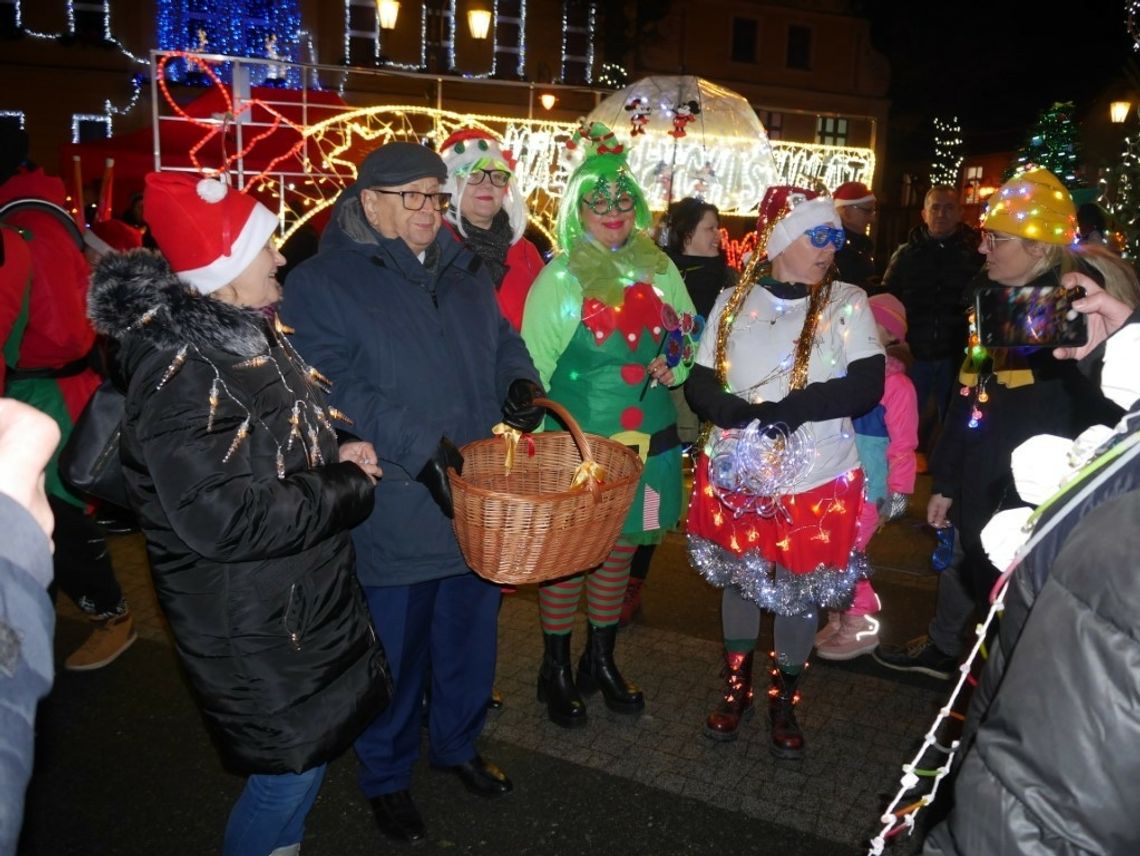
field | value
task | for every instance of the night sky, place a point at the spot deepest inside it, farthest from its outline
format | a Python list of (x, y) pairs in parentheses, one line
[(994, 64)]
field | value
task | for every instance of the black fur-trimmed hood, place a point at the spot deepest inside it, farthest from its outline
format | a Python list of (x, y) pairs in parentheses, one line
[(136, 296)]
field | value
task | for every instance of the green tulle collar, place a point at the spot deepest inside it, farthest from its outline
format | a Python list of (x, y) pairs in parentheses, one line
[(604, 273)]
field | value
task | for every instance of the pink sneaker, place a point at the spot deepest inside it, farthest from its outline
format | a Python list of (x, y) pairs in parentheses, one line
[(828, 630), (858, 635)]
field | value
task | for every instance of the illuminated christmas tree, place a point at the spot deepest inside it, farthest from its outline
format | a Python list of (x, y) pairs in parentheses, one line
[(1052, 144), (1120, 197), (948, 154)]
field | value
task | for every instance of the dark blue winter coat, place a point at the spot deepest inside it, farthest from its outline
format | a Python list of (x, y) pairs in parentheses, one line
[(414, 352)]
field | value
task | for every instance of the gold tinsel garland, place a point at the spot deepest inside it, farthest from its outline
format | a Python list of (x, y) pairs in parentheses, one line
[(758, 269)]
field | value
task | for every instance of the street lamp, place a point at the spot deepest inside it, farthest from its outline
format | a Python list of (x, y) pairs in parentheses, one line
[(1118, 111), (388, 11), (479, 23)]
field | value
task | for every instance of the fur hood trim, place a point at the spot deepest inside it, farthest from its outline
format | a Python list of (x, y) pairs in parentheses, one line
[(136, 294)]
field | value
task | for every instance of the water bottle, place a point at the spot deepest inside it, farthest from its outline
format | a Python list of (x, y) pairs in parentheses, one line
[(943, 556)]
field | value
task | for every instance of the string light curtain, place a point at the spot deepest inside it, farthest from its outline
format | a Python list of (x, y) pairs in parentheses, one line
[(269, 29)]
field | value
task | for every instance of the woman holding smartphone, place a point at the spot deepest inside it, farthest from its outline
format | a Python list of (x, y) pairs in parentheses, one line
[(1006, 395)]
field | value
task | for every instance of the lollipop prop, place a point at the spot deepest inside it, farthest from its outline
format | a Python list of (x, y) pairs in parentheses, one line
[(684, 331)]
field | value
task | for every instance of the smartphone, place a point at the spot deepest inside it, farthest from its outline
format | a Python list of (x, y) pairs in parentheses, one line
[(1037, 316)]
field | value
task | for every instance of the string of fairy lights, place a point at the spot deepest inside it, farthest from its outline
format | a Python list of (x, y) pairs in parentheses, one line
[(321, 161), (110, 109), (1131, 24), (948, 152)]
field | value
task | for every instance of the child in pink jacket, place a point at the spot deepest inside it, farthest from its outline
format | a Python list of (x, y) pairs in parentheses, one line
[(886, 437)]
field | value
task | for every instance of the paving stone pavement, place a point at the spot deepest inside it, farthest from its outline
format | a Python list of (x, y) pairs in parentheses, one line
[(860, 726), (859, 731)]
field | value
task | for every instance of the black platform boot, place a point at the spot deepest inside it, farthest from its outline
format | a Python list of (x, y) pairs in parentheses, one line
[(556, 687), (787, 738), (736, 703), (596, 671)]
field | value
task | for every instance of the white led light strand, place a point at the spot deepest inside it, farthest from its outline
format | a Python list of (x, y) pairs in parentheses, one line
[(79, 118)]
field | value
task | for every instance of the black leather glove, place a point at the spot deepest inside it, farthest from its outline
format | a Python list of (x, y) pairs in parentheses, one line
[(768, 412), (434, 474), (519, 410)]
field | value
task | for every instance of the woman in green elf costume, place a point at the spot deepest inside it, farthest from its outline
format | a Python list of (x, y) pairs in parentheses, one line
[(610, 327)]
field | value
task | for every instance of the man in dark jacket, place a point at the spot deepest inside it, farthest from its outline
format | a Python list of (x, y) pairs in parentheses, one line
[(930, 274), (405, 324), (857, 208)]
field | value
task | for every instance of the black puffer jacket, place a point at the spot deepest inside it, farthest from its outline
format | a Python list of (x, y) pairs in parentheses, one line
[(246, 521), (1049, 761), (931, 277)]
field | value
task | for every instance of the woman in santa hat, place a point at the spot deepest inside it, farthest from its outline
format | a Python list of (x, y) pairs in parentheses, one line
[(232, 466), (491, 215), (790, 355)]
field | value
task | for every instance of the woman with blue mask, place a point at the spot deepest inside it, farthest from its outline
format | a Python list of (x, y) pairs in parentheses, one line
[(790, 355)]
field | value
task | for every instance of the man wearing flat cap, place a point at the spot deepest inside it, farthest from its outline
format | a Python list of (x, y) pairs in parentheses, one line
[(404, 322)]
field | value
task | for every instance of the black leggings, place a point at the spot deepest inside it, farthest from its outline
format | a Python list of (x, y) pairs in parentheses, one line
[(82, 564), (642, 556)]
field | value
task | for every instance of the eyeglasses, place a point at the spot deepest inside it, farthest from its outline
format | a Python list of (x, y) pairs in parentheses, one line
[(821, 236), (499, 177), (602, 204), (414, 199), (991, 239)]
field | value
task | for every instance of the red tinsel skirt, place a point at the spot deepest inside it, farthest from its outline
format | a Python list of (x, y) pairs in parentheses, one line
[(799, 532)]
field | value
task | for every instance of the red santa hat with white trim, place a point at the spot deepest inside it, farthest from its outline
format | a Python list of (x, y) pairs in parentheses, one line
[(852, 193), (208, 232)]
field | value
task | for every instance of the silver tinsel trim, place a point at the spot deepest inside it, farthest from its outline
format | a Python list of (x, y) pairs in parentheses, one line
[(754, 578), (897, 505)]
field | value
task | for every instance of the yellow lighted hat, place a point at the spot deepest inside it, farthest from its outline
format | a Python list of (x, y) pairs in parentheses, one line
[(1033, 205)]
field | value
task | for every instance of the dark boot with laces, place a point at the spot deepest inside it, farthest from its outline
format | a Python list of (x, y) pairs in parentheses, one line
[(736, 703), (787, 738)]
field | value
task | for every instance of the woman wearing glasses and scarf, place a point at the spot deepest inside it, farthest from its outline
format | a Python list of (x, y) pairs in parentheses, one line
[(790, 355), (491, 215), (608, 323)]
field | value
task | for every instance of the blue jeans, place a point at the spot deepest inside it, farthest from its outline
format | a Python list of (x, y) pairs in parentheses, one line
[(271, 812)]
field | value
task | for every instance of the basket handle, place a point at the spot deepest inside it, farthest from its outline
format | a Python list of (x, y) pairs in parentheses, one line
[(571, 425), (579, 440)]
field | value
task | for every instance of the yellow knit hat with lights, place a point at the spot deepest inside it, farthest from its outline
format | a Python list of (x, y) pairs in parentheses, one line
[(1033, 205)]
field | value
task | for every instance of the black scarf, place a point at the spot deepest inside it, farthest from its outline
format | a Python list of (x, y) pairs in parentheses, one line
[(491, 245)]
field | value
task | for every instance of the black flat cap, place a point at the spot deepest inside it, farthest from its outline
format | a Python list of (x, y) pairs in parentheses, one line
[(398, 163)]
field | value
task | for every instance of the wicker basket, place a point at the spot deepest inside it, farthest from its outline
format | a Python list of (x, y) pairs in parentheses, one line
[(528, 527)]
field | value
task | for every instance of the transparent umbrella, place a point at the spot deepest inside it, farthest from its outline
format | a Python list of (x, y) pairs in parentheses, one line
[(687, 136)]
